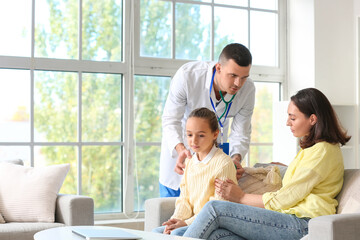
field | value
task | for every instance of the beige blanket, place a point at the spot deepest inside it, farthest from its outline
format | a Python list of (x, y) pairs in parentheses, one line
[(260, 180)]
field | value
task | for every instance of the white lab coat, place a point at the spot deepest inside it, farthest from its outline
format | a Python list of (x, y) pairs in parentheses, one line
[(189, 89)]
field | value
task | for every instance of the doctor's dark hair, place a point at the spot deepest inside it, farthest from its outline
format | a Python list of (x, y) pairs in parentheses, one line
[(327, 128), (208, 115), (237, 52)]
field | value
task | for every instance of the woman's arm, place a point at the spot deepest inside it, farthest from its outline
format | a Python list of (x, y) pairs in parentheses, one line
[(232, 192)]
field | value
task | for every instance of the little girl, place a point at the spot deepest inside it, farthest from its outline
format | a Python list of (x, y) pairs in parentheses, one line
[(207, 164)]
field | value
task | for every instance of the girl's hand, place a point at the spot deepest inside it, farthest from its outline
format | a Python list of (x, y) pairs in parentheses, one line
[(228, 190), (172, 224)]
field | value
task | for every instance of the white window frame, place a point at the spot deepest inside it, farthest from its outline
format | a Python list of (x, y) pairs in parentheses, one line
[(131, 65)]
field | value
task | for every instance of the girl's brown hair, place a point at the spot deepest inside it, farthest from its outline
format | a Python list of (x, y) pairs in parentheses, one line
[(327, 128)]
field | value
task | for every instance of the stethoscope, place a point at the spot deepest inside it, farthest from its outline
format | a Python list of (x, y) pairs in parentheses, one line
[(227, 107)]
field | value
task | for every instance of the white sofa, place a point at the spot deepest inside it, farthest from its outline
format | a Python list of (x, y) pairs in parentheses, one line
[(345, 225), (70, 210)]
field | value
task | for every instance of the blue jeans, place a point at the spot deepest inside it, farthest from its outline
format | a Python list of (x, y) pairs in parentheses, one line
[(233, 221), (178, 231), (168, 192)]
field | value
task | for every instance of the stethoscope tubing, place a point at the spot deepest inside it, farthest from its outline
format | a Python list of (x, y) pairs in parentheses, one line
[(227, 103)]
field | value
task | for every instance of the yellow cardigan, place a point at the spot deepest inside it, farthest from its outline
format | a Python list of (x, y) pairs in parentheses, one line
[(311, 183), (197, 185)]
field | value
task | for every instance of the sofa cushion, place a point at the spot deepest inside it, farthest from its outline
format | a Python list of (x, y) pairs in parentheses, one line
[(349, 197), (13, 161), (28, 194), (24, 230)]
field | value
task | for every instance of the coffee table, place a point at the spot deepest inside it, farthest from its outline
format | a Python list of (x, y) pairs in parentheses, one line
[(64, 233)]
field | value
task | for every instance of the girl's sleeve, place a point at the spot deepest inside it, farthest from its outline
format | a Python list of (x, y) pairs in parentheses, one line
[(226, 172), (183, 208)]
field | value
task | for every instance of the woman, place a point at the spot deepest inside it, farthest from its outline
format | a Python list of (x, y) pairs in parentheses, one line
[(310, 184)]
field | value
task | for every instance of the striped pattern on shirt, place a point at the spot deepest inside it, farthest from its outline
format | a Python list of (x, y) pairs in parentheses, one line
[(198, 186)]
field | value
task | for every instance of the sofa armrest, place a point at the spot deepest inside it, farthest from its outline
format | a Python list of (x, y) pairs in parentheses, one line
[(335, 227), (73, 210), (157, 211)]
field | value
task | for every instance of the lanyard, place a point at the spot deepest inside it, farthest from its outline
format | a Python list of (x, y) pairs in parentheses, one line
[(227, 107)]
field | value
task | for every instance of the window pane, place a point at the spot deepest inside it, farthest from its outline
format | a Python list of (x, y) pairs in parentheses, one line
[(266, 95), (15, 25), (101, 109), (192, 33), (241, 3), (15, 152), (147, 175), (101, 177), (150, 97), (14, 105), (56, 29), (264, 25), (55, 106), (51, 155), (102, 30), (225, 20), (260, 154), (155, 28), (264, 4)]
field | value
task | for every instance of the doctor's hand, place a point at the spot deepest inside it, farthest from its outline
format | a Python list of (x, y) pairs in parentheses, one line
[(183, 154), (239, 170), (278, 163)]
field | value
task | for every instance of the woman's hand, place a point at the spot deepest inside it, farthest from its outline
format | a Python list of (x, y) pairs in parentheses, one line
[(228, 190), (172, 224), (233, 193)]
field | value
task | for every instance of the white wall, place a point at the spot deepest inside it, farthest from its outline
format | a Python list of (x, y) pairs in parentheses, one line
[(357, 8), (335, 54), (285, 145), (301, 54), (322, 50)]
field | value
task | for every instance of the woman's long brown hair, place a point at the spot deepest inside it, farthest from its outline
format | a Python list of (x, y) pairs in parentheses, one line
[(327, 128)]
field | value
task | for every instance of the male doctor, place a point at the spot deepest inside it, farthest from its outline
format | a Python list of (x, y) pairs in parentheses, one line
[(223, 87)]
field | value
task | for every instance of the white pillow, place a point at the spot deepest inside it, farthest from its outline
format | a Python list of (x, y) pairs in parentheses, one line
[(29, 194)]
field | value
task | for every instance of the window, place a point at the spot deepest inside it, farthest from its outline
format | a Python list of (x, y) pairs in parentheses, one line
[(85, 82), (149, 101), (173, 32), (198, 30), (65, 84)]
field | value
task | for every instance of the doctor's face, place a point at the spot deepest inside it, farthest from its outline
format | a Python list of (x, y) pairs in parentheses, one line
[(230, 76)]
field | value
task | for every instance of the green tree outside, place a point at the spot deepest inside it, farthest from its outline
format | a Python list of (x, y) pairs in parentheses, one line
[(102, 93), (101, 98)]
